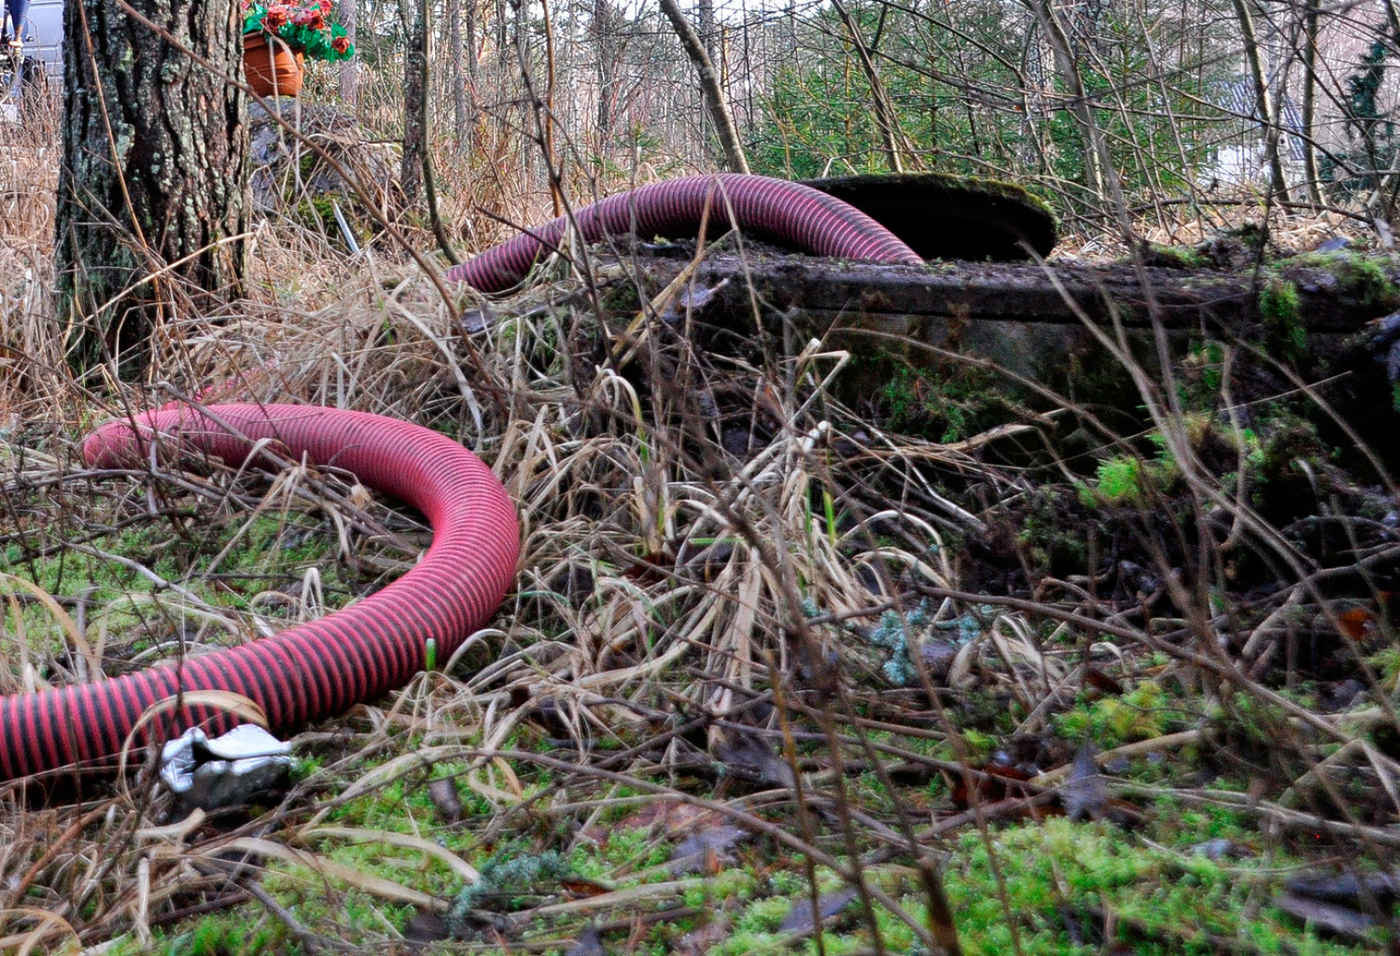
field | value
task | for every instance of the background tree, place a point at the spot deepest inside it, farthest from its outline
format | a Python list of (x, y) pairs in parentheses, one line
[(151, 197), (350, 69), (730, 146), (456, 57), (1265, 98), (609, 44), (885, 115), (415, 104)]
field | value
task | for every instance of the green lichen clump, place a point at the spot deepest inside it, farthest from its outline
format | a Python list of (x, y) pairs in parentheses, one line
[(509, 881), (1120, 481), (317, 212), (900, 635)]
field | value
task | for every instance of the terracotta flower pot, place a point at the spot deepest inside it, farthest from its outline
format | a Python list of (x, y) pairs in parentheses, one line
[(271, 68)]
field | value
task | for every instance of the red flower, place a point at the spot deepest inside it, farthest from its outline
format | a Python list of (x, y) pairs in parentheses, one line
[(306, 25)]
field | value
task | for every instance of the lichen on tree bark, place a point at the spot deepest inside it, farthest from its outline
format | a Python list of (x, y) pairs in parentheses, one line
[(152, 198)]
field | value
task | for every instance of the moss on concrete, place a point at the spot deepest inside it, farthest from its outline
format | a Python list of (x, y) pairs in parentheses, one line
[(1283, 322)]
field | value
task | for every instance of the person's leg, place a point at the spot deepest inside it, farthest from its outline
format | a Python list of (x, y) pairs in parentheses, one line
[(18, 12)]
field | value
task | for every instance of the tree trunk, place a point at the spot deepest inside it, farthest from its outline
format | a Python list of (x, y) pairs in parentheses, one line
[(502, 49), (415, 99), (605, 28), (1096, 169), (791, 19), (525, 105), (885, 117), (349, 70), (705, 29), (455, 57), (1310, 26), (705, 26), (1268, 115), (474, 11), (546, 116), (709, 88), (154, 177)]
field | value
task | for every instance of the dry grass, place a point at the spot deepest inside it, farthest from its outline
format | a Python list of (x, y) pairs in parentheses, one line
[(688, 611)]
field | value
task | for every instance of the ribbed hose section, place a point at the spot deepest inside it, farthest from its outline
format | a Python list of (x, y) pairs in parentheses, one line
[(774, 210), (319, 669)]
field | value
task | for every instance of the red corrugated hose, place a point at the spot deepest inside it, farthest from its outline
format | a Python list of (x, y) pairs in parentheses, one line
[(774, 210), (360, 653), (319, 669)]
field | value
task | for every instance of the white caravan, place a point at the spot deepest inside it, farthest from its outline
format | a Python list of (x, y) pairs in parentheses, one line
[(41, 32), (31, 47)]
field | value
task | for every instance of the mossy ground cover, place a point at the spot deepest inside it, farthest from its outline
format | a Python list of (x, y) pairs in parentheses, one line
[(769, 641), (549, 841), (1045, 887), (169, 577)]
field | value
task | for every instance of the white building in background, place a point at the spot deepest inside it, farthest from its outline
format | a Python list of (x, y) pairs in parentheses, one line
[(1345, 39), (1241, 159)]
